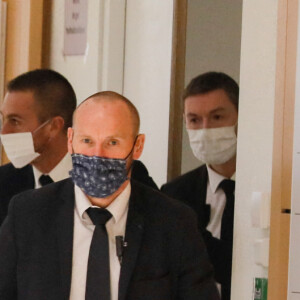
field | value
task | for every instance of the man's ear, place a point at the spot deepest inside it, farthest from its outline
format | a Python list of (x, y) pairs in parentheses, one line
[(139, 146), (57, 125), (70, 140)]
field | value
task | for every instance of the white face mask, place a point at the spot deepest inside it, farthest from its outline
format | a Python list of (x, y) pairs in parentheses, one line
[(19, 147), (213, 145)]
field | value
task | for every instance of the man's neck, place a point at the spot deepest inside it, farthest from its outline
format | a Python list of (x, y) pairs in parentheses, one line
[(227, 169), (51, 156)]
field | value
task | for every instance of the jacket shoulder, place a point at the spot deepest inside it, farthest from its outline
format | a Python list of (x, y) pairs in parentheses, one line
[(7, 169), (156, 204), (140, 173), (12, 182), (47, 197), (185, 182)]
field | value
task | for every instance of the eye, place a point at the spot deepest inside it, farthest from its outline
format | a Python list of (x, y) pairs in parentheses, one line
[(14, 121), (86, 141), (194, 121), (113, 142), (217, 117)]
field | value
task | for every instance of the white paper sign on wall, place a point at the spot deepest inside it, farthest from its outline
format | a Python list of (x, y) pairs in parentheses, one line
[(75, 31)]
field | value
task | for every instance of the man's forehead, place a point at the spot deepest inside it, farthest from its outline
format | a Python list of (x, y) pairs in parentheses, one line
[(16, 99), (217, 99)]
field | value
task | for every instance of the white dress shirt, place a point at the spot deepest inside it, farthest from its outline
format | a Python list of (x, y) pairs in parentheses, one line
[(216, 198), (59, 172), (83, 233)]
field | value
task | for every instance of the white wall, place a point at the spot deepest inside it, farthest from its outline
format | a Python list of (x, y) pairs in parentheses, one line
[(129, 51), (81, 71), (255, 135), (147, 76), (101, 68), (213, 44)]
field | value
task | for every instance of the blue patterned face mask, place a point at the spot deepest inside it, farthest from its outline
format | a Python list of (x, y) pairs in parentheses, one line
[(98, 176)]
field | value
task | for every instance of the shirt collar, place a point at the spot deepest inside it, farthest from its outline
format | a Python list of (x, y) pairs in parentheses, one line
[(117, 208), (59, 172), (215, 178)]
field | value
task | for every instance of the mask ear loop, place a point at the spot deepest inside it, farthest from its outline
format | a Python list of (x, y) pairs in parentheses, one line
[(130, 168), (36, 130), (39, 127), (132, 147)]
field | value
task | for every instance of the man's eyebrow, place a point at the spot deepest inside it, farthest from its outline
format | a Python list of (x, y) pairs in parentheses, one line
[(117, 135), (191, 114), (82, 134), (218, 109), (10, 116)]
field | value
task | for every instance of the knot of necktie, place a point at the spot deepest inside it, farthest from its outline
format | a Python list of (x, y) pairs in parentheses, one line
[(228, 186), (45, 179), (99, 216)]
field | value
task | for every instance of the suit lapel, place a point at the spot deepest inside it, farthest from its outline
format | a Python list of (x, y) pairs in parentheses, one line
[(28, 179), (133, 238), (65, 227), (202, 208)]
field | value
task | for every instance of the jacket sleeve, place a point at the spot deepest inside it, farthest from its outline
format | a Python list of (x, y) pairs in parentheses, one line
[(220, 253), (8, 258), (195, 271)]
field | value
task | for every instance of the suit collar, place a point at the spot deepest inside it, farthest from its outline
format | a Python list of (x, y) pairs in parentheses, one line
[(215, 179), (202, 208), (133, 238), (59, 172), (26, 177)]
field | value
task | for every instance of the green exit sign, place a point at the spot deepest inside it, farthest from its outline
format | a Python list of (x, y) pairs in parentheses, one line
[(260, 288)]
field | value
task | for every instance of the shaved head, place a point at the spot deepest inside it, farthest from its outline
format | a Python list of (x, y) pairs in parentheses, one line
[(109, 96)]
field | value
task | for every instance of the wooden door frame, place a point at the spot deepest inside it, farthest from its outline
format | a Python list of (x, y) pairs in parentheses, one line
[(287, 28), (177, 86), (24, 35)]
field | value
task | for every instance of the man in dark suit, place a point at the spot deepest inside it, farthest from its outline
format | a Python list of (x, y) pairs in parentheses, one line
[(40, 102), (36, 113), (211, 114), (150, 247), (16, 180)]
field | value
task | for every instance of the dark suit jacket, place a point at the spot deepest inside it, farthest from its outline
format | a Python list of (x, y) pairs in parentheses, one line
[(14, 181), (165, 257), (191, 189)]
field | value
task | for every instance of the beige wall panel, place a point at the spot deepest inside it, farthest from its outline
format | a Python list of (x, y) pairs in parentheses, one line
[(24, 38)]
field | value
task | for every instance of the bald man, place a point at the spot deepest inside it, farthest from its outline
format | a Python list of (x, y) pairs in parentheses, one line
[(37, 109), (150, 249)]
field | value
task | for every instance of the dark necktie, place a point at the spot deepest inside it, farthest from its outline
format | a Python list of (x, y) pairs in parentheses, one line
[(45, 179), (228, 186), (98, 274)]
